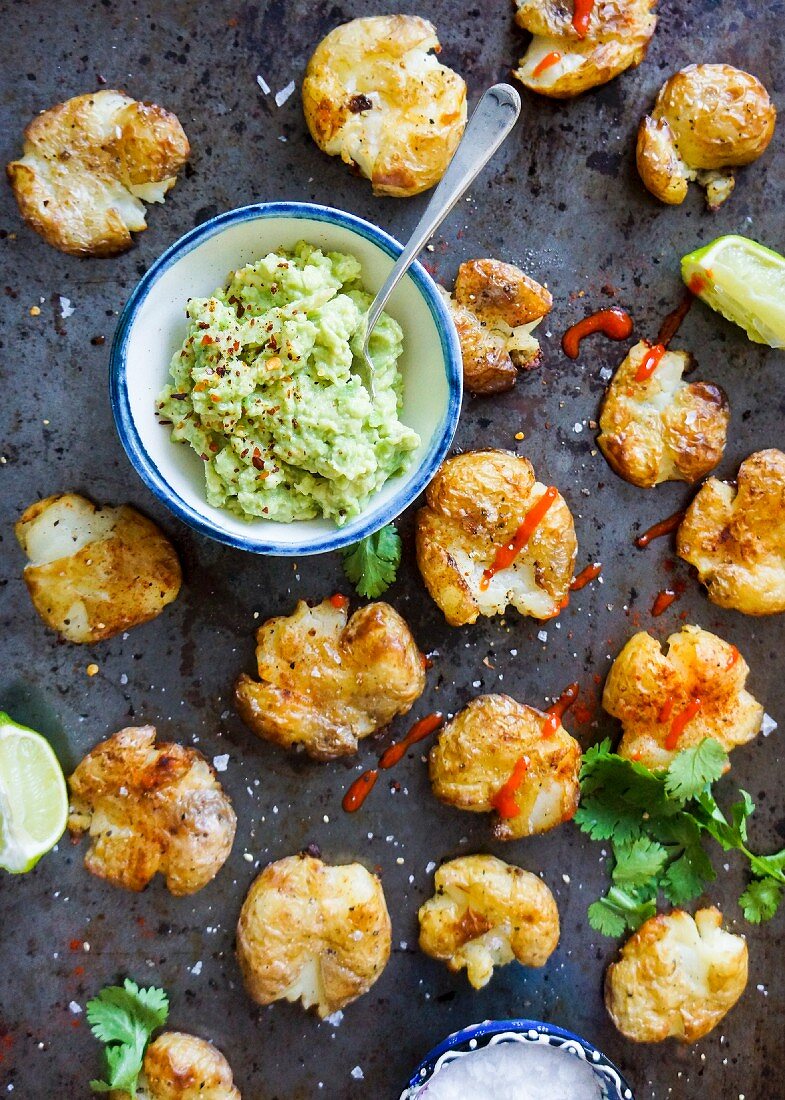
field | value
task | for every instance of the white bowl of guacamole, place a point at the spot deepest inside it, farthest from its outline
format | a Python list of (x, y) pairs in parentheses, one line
[(237, 391)]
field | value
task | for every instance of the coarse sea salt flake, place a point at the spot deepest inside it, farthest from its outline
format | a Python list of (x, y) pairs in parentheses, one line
[(768, 725), (221, 762), (282, 96), (263, 84), (66, 309), (358, 1074)]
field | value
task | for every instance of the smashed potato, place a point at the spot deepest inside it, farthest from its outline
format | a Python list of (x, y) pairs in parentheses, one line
[(484, 914), (183, 1067), (677, 977), (89, 166), (708, 119), (475, 506), (649, 691), (324, 683), (478, 750), (662, 429), (495, 307), (375, 95), (735, 536), (150, 808), (313, 933), (560, 62), (95, 572)]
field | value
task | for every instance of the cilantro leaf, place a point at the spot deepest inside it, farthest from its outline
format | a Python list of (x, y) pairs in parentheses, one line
[(694, 768), (761, 899), (638, 861), (124, 1017), (372, 563), (687, 875), (619, 910)]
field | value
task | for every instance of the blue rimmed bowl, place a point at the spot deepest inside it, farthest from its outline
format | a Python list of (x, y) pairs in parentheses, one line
[(493, 1032), (152, 328)]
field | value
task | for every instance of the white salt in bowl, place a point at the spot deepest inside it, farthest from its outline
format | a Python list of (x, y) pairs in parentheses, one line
[(153, 325), (490, 1033)]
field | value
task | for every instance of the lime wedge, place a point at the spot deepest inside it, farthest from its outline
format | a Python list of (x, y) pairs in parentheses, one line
[(33, 797), (745, 282)]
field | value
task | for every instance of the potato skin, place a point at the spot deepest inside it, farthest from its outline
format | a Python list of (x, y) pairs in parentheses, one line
[(697, 664), (618, 37), (311, 932), (495, 306), (662, 429), (477, 750), (324, 683), (475, 504), (706, 120), (677, 977), (375, 95), (735, 538), (83, 157), (178, 1066), (111, 584), (150, 808), (485, 913)]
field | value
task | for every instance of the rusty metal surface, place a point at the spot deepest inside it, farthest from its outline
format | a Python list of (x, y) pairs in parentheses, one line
[(563, 200)]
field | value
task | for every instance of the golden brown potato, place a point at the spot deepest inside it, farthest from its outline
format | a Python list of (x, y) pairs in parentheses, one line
[(474, 507), (324, 683), (182, 1067), (707, 120), (150, 807), (485, 913), (313, 933), (90, 164), (495, 308), (375, 95), (616, 39), (735, 536), (662, 429), (95, 572), (677, 977), (649, 691), (477, 753)]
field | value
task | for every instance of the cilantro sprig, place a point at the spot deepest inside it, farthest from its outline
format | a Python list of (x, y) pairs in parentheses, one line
[(656, 823), (124, 1017), (372, 564)]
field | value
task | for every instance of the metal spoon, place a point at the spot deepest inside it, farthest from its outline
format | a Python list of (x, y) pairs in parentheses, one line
[(492, 119)]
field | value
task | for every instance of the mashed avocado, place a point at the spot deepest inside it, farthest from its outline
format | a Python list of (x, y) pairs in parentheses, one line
[(268, 392)]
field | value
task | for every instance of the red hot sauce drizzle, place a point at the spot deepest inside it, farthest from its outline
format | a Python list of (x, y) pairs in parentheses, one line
[(557, 710), (506, 555), (665, 598), (338, 600), (550, 59), (614, 323), (680, 722), (586, 576), (670, 326), (393, 754), (359, 791), (664, 527), (581, 16), (504, 800), (732, 658)]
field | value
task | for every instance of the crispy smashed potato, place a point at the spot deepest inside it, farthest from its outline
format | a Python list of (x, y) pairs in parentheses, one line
[(708, 119), (183, 1067), (735, 536), (495, 307), (474, 506), (375, 95), (662, 429), (324, 683), (478, 750), (95, 572), (89, 166), (648, 690), (150, 808), (484, 914), (617, 38), (313, 933), (677, 977)]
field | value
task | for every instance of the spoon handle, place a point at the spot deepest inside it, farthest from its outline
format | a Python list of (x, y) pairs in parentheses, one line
[(493, 118)]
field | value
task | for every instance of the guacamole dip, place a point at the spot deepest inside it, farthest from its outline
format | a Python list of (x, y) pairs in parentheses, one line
[(267, 390)]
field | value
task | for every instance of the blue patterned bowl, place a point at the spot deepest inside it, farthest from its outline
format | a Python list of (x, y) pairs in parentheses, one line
[(491, 1032)]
